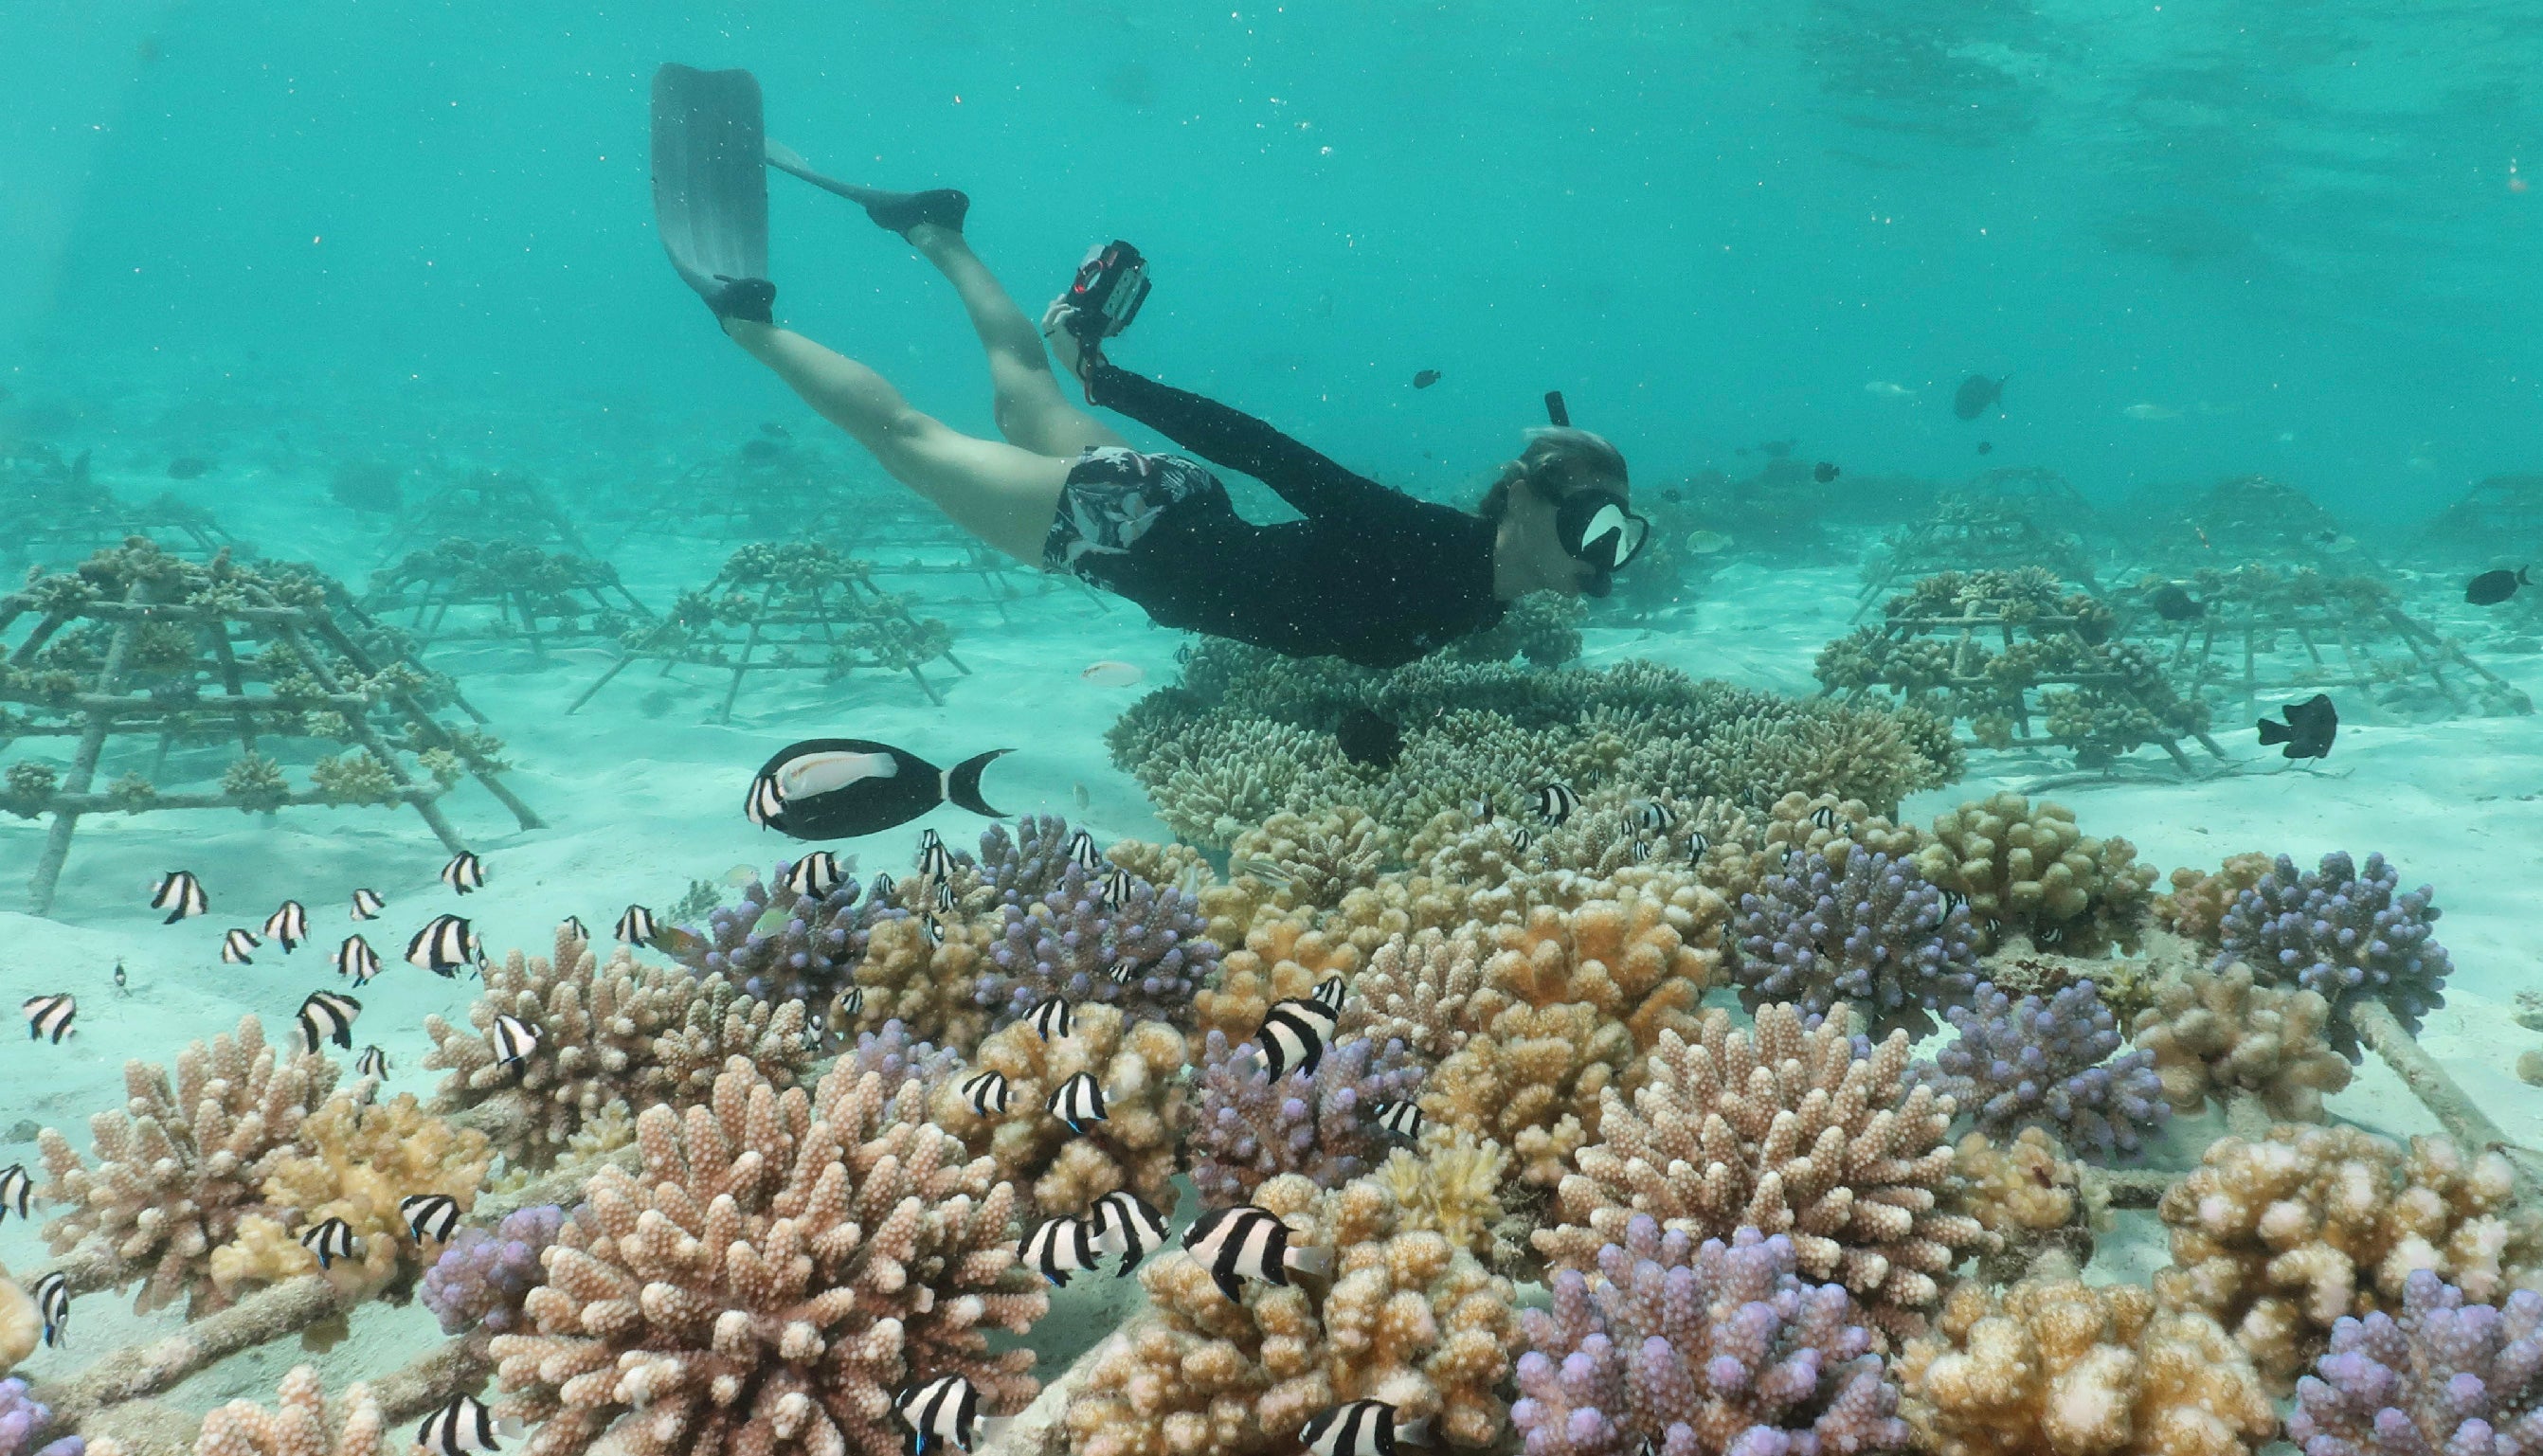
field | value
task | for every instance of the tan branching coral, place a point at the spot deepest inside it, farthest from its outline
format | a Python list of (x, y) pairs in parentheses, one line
[(1412, 1320), (1312, 863), (2032, 1204), (359, 1163), (1282, 960), (2278, 1237), (2200, 899), (184, 1161), (2215, 1033), (299, 1426), (2055, 1367), (783, 1264), (1421, 990), (1532, 1079), (1747, 850), (1622, 958), (1789, 1131), (1449, 1184), (1139, 1065), (927, 988), (21, 1325), (2027, 869)]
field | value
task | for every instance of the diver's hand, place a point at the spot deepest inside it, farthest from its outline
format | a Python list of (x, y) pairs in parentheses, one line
[(1075, 355)]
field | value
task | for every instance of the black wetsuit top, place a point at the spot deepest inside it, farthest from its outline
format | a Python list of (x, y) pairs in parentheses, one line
[(1371, 575)]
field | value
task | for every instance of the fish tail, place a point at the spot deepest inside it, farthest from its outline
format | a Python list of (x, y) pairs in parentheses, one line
[(962, 783), (2275, 732), (2524, 575)]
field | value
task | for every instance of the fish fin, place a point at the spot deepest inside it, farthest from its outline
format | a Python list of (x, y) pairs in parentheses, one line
[(1313, 1261), (2275, 732), (2524, 575), (962, 783)]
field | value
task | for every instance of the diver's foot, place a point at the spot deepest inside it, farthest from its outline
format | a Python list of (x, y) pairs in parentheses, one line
[(751, 300), (899, 212)]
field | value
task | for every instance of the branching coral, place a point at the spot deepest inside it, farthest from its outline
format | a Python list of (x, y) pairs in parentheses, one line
[(2216, 1033), (932, 990), (2030, 1201), (2031, 872), (1411, 1320), (783, 1264), (2278, 1238), (185, 1162), (1793, 1130), (2446, 1376), (2347, 935), (2200, 899), (1069, 942), (1282, 960), (2062, 1367), (1249, 1128), (1700, 1350), (1139, 1067), (2053, 1064), (1450, 1183), (779, 945), (1312, 863), (1421, 990), (1745, 850), (300, 1426), (480, 1278), (22, 1417), (1872, 935)]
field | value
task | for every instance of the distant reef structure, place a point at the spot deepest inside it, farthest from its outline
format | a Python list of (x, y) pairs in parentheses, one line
[(2003, 520), (54, 510), (504, 589)]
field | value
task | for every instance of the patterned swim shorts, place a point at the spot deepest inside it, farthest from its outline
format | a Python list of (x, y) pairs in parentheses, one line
[(1114, 496)]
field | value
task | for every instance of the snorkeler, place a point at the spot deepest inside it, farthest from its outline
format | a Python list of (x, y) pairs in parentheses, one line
[(1371, 575)]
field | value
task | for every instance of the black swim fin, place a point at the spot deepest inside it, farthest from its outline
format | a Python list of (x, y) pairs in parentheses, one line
[(710, 189), (893, 212), (962, 783)]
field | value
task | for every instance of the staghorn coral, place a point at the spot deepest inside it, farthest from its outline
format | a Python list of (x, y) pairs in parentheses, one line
[(1421, 990), (1792, 1130), (2031, 872), (1450, 1183), (1248, 1128), (2216, 1034), (1139, 1067), (2052, 1365), (2278, 1237), (300, 1426), (2446, 1376), (480, 1278), (1067, 942), (2344, 934), (2198, 898), (1872, 935), (2054, 1064), (1411, 1320), (184, 1163), (21, 1417), (1282, 960), (1682, 1349), (783, 1264)]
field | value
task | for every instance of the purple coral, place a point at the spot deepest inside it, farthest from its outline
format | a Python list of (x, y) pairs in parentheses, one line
[(1715, 1350), (2024, 1062), (2346, 935), (1068, 943), (1020, 868), (1250, 1129), (23, 1417), (1879, 938), (2447, 1377), (480, 1279), (806, 955), (903, 1061)]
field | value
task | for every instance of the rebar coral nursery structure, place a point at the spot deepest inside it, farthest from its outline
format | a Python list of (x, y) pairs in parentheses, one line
[(139, 658), (2003, 520), (464, 504), (54, 510), (504, 589), (2499, 513), (793, 606)]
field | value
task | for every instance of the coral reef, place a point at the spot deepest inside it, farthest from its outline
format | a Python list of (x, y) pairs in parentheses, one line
[(1146, 1114), (1450, 1183), (777, 945), (21, 1325), (1312, 863), (2055, 1365), (2279, 1237), (930, 990), (184, 1163), (1411, 1320), (1280, 961), (481, 1277), (2031, 872), (2344, 934), (300, 1426), (2219, 1034), (2053, 1064), (1068, 942), (1248, 1128), (2445, 1376), (1874, 935), (1796, 1129), (2031, 1201), (22, 1417), (1419, 990), (2198, 898)]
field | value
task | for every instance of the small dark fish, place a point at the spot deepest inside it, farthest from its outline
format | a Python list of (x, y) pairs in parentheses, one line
[(944, 1415), (775, 430), (238, 947), (986, 1093), (1367, 1429), (1975, 394), (1329, 993), (17, 1191), (121, 982), (1293, 1036), (2173, 604), (1077, 1101), (178, 894), (445, 944), (1082, 851), (1116, 885), (290, 924), (1050, 1018), (1672, 494), (2308, 731), (2328, 535), (188, 466), (1987, 447), (1555, 803), (815, 875), (761, 451), (1368, 739), (373, 1062), (1823, 472), (367, 905), (1243, 1242), (355, 959), (1776, 449), (53, 1301), (462, 1428), (328, 1016), (841, 788), (464, 873), (513, 1039), (935, 861), (1425, 379), (1402, 1118), (2490, 588), (636, 927)]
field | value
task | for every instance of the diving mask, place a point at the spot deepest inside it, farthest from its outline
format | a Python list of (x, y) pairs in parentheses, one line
[(1598, 528)]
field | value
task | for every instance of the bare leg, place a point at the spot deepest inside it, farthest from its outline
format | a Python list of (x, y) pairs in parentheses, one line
[(1006, 496), (1028, 405)]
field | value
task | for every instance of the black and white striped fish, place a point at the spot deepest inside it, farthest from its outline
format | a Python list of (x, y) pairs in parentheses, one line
[(1052, 1019), (815, 875), (238, 947), (17, 1190), (1696, 844), (1243, 1242), (1362, 1429), (931, 930), (372, 1062), (1293, 1036), (1060, 1247), (986, 1094), (463, 1427), (945, 1414), (882, 890), (1077, 1101), (1124, 970), (1329, 993), (1639, 851), (848, 1005), (357, 959), (53, 1301), (434, 1217), (1117, 887), (1124, 1224), (935, 861), (1402, 1118), (1479, 811), (1653, 817), (1556, 801), (572, 927), (1082, 851), (1825, 816), (367, 905), (1521, 839), (513, 1039), (178, 894), (288, 925), (635, 926), (331, 1240), (444, 945), (944, 896), (48, 1018), (328, 1016), (1952, 899), (464, 873)]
